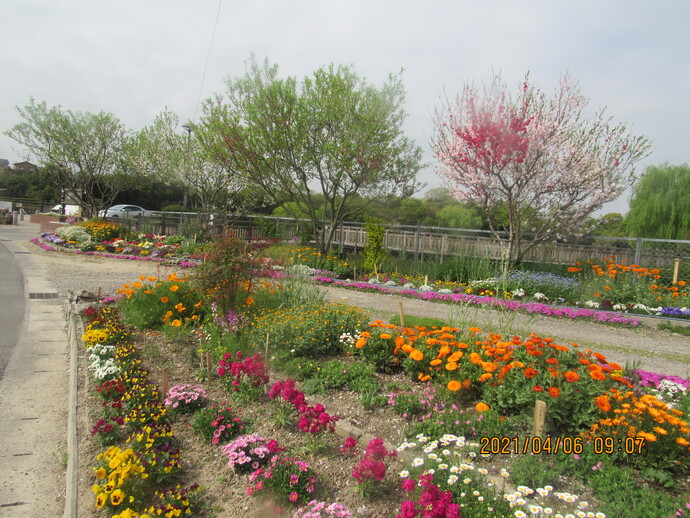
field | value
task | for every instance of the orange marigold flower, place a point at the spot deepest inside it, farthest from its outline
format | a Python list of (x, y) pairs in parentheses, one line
[(174, 288), (660, 430), (597, 375), (603, 403), (615, 366), (399, 341), (454, 385), (455, 356), (600, 357), (554, 392), (538, 388), (474, 330), (176, 323), (417, 355), (385, 336), (466, 383), (485, 376), (435, 362), (552, 361), (451, 366), (475, 358), (481, 407), (682, 441), (530, 372), (423, 377), (584, 361), (361, 343), (571, 376)]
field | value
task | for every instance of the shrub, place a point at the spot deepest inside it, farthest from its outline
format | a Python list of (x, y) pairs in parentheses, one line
[(217, 424), (307, 331)]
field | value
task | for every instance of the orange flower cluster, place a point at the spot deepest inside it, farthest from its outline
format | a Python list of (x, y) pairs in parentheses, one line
[(468, 363), (629, 415)]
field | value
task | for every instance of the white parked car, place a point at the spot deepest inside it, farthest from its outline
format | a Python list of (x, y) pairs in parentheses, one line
[(124, 211)]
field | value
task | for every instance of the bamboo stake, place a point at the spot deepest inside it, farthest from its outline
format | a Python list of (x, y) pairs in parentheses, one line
[(266, 353), (402, 315), (208, 369), (676, 270), (166, 381)]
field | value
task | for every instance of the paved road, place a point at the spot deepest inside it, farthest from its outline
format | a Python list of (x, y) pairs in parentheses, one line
[(33, 381), (11, 304)]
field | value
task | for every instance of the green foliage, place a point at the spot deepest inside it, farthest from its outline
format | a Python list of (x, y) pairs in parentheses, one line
[(675, 328), (659, 206), (308, 331), (374, 252), (534, 470), (407, 405), (460, 216), (464, 269), (336, 375)]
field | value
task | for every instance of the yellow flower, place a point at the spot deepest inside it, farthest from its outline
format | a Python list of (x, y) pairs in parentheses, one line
[(101, 499), (176, 323), (100, 473), (117, 496)]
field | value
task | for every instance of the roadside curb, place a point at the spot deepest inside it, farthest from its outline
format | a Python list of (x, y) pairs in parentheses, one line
[(75, 329)]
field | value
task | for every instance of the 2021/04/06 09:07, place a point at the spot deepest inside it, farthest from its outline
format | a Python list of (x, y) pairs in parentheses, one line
[(568, 445)]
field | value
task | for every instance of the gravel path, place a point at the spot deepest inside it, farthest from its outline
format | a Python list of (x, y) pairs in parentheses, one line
[(653, 349)]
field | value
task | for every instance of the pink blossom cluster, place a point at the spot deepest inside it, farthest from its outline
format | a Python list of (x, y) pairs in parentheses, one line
[(248, 453), (185, 395), (432, 502), (251, 368), (372, 466), (312, 418)]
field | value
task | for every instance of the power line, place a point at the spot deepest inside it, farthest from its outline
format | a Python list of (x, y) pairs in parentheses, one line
[(208, 57)]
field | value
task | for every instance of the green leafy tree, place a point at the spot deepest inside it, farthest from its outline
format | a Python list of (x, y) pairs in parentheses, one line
[(171, 151), (460, 215), (660, 205), (86, 150), (330, 134)]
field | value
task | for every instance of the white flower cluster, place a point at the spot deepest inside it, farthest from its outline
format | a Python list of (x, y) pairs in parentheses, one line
[(102, 362), (647, 309), (445, 291), (426, 287), (408, 286), (391, 283), (374, 280), (349, 339), (592, 304), (74, 233), (669, 391), (540, 296), (519, 293), (301, 269)]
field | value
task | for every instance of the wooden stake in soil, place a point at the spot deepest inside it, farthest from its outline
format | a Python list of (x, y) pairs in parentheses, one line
[(266, 353), (208, 368), (539, 418), (166, 378), (676, 270), (402, 314)]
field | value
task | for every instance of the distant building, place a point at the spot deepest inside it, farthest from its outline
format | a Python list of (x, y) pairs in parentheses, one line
[(23, 167), (4, 164)]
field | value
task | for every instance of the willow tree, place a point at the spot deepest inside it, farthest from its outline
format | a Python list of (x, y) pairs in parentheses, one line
[(660, 203), (331, 134), (536, 165)]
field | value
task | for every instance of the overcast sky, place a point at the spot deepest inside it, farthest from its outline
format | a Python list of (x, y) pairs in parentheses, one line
[(133, 58)]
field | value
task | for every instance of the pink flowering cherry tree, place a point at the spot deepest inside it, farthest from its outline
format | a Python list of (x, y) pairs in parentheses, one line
[(536, 165)]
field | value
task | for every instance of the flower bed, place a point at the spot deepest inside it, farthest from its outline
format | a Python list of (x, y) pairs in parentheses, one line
[(478, 385)]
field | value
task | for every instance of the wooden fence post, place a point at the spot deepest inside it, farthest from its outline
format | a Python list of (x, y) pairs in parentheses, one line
[(539, 418), (676, 270), (402, 314)]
